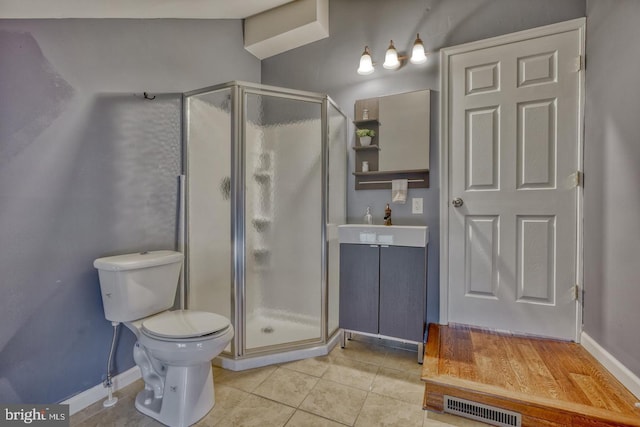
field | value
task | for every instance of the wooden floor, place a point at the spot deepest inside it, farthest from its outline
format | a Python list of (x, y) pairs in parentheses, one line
[(551, 383)]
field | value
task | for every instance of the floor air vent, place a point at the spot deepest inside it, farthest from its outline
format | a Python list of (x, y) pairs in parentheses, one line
[(479, 412)]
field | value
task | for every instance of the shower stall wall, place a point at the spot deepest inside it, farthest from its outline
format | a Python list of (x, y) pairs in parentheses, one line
[(265, 190)]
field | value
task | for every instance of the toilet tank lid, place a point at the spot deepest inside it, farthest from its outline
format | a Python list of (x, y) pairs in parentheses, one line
[(137, 260)]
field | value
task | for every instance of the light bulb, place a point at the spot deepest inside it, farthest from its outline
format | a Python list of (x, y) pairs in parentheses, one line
[(417, 54), (391, 61), (366, 63)]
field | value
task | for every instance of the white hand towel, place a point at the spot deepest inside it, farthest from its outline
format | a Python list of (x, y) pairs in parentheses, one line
[(399, 190)]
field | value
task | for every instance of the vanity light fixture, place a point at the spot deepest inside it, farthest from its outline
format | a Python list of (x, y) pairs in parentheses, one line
[(393, 61), (366, 63), (417, 54)]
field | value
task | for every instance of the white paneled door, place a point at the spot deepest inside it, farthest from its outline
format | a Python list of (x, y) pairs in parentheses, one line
[(513, 139)]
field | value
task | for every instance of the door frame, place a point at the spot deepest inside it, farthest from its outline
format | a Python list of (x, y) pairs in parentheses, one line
[(578, 24)]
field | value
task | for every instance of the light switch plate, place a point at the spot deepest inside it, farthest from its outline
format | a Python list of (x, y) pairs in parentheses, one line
[(416, 205)]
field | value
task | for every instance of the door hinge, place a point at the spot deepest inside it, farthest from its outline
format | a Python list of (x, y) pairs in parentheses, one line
[(577, 179), (579, 63), (576, 292)]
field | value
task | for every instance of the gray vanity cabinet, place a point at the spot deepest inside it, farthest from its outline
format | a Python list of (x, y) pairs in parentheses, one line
[(359, 287), (383, 290), (403, 287)]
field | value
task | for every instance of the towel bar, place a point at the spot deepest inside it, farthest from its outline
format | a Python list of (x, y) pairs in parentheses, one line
[(389, 181)]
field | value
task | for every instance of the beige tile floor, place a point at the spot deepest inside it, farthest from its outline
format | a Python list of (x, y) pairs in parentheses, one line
[(369, 383)]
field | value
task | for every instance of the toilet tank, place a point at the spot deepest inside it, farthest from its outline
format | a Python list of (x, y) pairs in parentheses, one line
[(138, 285)]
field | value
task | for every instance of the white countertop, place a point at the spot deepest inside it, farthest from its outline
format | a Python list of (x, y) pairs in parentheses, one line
[(391, 235)]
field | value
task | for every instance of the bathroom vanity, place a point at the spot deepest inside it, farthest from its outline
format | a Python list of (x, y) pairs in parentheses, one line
[(383, 282)]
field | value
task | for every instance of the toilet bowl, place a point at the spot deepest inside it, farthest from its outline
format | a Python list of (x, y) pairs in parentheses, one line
[(174, 349), (174, 352)]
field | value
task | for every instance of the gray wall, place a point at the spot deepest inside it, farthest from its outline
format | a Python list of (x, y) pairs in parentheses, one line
[(612, 179), (87, 169), (329, 66)]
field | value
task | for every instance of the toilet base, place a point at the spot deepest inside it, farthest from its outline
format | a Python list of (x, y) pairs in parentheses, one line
[(187, 397)]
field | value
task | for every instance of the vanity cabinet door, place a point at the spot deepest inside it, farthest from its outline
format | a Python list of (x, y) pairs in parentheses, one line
[(359, 287), (403, 283)]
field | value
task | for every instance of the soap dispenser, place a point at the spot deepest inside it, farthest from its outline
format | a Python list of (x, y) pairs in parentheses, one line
[(387, 215), (368, 219)]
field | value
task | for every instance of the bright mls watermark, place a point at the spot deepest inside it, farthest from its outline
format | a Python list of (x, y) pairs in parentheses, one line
[(34, 415)]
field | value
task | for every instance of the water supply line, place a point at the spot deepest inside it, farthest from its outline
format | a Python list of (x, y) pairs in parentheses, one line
[(108, 383)]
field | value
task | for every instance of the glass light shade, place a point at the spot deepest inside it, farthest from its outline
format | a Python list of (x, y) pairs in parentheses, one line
[(366, 63), (391, 61), (417, 54)]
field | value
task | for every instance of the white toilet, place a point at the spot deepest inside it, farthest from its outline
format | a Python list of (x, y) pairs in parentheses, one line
[(174, 348)]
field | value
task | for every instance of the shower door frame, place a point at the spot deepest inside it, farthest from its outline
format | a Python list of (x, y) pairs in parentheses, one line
[(319, 99), (238, 91)]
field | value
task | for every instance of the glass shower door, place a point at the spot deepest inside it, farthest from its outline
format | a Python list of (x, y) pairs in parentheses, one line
[(283, 207), (208, 156)]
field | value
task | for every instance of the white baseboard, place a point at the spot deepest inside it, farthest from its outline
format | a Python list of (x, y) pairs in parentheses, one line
[(617, 369), (88, 397)]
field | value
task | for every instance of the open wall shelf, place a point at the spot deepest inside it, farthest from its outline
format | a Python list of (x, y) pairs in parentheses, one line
[(365, 123), (366, 147)]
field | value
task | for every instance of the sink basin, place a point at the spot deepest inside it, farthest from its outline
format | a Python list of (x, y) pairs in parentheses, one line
[(392, 235)]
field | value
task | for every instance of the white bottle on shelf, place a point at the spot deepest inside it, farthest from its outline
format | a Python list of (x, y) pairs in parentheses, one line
[(368, 219)]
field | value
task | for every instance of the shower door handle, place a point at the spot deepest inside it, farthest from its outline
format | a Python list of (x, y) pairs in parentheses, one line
[(225, 187)]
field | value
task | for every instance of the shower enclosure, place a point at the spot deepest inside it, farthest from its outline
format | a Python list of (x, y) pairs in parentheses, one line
[(265, 190)]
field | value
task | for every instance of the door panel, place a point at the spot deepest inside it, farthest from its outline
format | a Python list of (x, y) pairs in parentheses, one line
[(402, 292), (537, 69), (536, 144), (536, 259), (359, 287), (481, 258), (483, 78), (514, 117), (482, 149)]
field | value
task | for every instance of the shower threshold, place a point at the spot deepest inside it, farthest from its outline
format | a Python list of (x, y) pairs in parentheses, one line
[(259, 360)]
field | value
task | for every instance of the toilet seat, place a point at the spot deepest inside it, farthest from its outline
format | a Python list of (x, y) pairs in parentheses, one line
[(184, 325)]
